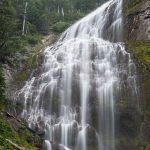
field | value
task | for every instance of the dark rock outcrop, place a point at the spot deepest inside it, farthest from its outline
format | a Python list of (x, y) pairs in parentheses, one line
[(138, 21)]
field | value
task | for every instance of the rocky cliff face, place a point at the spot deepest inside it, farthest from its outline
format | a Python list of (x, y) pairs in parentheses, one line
[(136, 122), (138, 21)]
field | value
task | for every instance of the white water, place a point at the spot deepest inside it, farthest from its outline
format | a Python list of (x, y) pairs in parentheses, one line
[(47, 145), (80, 80)]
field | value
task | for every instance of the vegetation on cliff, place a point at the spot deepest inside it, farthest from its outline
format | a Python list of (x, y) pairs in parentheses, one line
[(14, 134), (141, 51), (140, 48), (136, 13), (131, 6)]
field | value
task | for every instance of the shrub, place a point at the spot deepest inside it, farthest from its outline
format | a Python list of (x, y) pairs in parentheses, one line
[(60, 26), (33, 39)]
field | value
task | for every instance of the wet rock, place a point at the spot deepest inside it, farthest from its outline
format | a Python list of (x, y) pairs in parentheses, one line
[(138, 22)]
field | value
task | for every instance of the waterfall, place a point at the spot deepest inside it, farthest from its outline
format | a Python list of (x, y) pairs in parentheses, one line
[(73, 99)]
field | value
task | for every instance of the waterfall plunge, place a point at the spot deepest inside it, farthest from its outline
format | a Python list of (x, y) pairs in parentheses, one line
[(73, 98)]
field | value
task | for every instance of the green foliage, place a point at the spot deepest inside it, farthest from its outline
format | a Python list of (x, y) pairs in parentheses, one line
[(43, 14), (42, 17), (31, 28), (141, 51), (7, 28), (7, 132), (60, 26), (4, 145), (32, 39)]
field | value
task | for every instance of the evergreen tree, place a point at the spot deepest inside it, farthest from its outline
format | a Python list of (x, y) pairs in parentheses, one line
[(7, 28)]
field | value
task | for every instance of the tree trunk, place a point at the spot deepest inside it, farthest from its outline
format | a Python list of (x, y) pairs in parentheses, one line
[(24, 18)]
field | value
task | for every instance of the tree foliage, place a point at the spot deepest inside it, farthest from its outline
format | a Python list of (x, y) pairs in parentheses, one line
[(7, 28), (42, 17)]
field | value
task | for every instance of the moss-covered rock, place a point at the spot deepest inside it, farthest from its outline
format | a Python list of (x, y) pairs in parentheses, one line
[(137, 38), (7, 132), (32, 60), (131, 6), (140, 50), (17, 131), (136, 15)]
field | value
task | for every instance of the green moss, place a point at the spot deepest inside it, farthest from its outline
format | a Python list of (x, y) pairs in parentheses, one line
[(4, 145), (147, 146), (7, 132), (122, 105), (23, 74), (140, 51), (132, 144), (131, 7), (141, 55), (33, 59)]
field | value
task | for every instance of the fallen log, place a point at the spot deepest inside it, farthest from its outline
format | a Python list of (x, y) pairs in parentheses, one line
[(15, 145)]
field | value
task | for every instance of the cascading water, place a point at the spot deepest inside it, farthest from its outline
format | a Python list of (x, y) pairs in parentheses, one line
[(73, 98)]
